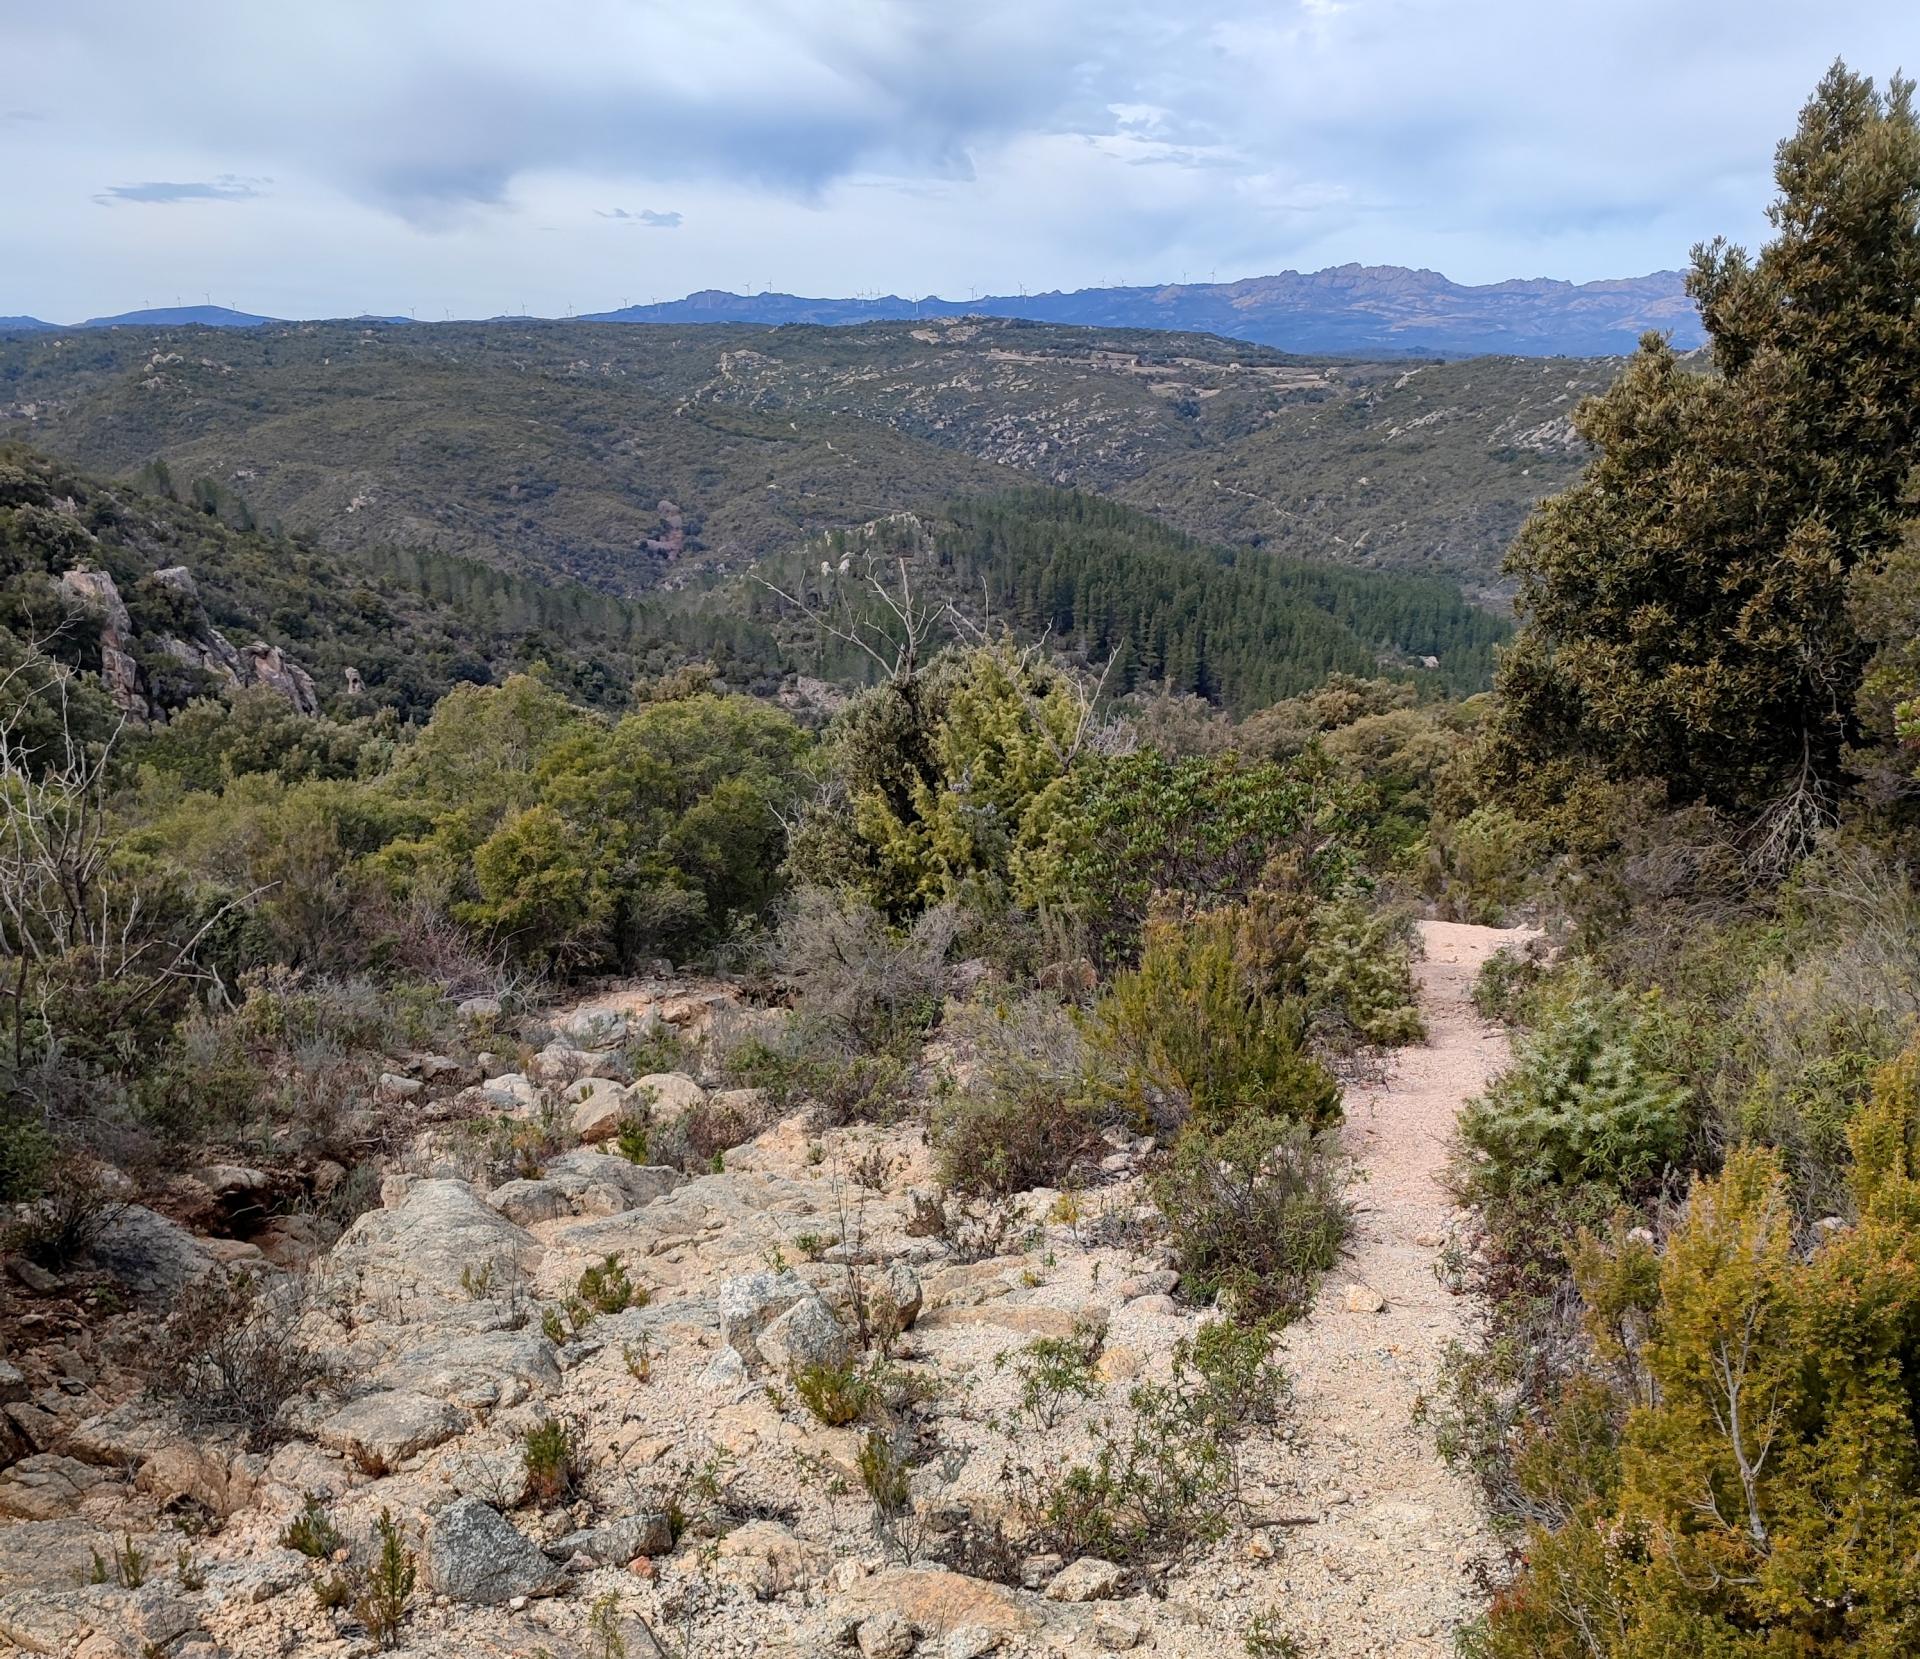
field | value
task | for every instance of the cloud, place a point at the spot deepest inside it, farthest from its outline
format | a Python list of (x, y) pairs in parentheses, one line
[(646, 216), (882, 144), (228, 187)]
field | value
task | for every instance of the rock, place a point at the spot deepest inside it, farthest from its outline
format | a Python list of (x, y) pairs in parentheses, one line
[(616, 1543), (1364, 1299), (1037, 1571), (526, 1203), (475, 1556), (970, 1641), (154, 1258), (1117, 1631), (475, 1370), (438, 1232), (231, 1180), (765, 1558), (602, 1183), (37, 1554), (381, 1431), (562, 1063), (45, 1487), (934, 1598), (220, 1480), (885, 1636), (724, 1373), (601, 1028), (1088, 1579), (805, 1336), (13, 1383), (32, 1277), (599, 1107), (1158, 1283), (751, 1302), (512, 1092), (667, 1094), (476, 1009), (894, 1299), (393, 1088), (38, 1427)]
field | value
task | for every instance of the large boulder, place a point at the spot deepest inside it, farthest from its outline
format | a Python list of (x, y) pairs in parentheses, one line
[(434, 1243), (475, 1370), (753, 1301), (803, 1338), (598, 1108), (154, 1258), (604, 1183), (476, 1556), (381, 1431), (615, 1543), (45, 1487), (667, 1094), (528, 1203)]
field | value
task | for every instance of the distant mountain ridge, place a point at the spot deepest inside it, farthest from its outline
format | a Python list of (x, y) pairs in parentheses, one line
[(1346, 310), (1365, 309)]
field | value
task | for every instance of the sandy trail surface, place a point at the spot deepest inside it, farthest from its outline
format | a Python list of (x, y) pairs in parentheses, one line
[(1381, 1555)]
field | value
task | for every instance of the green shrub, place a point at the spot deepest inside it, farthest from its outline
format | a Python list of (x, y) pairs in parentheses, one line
[(836, 1394), (1169, 1478), (1255, 1213), (312, 1531), (385, 1589), (554, 1460), (1051, 1370), (606, 1288), (1193, 1034), (1479, 867), (1583, 1102), (1026, 1116), (1506, 981), (1359, 972)]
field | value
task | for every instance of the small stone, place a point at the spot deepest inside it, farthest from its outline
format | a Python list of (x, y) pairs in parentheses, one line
[(31, 1276), (1037, 1571), (1088, 1579), (972, 1641), (480, 1008), (1364, 1299), (667, 1094), (1116, 1630), (393, 1088), (885, 1636)]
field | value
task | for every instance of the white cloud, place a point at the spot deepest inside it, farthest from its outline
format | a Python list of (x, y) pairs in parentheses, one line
[(449, 155)]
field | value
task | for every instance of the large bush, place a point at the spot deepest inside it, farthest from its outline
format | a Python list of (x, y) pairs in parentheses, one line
[(1194, 1034), (1583, 1102), (1747, 1479)]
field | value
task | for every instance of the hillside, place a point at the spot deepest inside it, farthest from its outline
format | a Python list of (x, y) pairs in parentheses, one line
[(622, 456), (1365, 309)]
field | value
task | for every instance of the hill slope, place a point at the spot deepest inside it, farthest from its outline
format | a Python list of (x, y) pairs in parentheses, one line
[(624, 457)]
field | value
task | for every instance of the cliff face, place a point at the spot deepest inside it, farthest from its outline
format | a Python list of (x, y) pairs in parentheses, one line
[(201, 647)]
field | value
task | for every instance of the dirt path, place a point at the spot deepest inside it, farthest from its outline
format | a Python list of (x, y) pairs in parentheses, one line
[(1383, 1563)]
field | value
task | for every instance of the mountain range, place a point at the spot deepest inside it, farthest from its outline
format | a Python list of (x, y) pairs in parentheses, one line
[(1370, 310)]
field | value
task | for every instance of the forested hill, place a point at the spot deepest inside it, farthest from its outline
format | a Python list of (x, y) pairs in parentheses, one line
[(627, 457)]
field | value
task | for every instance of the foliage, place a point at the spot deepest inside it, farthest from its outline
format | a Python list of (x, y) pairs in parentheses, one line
[(1051, 1370), (1193, 1034), (554, 1457), (1129, 831), (606, 1288), (1359, 973), (1168, 1478), (312, 1531), (384, 1590), (232, 1354), (1688, 599), (836, 1394), (1254, 1212), (1585, 1101), (1025, 1117), (1760, 1494)]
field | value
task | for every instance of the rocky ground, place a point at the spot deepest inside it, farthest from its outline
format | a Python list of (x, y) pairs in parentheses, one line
[(714, 1514)]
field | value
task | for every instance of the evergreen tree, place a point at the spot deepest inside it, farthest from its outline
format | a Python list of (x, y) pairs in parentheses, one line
[(1688, 598)]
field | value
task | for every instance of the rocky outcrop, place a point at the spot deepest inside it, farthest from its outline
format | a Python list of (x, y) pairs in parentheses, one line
[(475, 1555), (204, 647)]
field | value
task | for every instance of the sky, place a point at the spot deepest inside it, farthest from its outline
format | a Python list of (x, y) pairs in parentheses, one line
[(476, 157)]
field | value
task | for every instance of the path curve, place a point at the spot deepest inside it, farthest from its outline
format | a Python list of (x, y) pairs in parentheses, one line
[(1383, 1560)]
